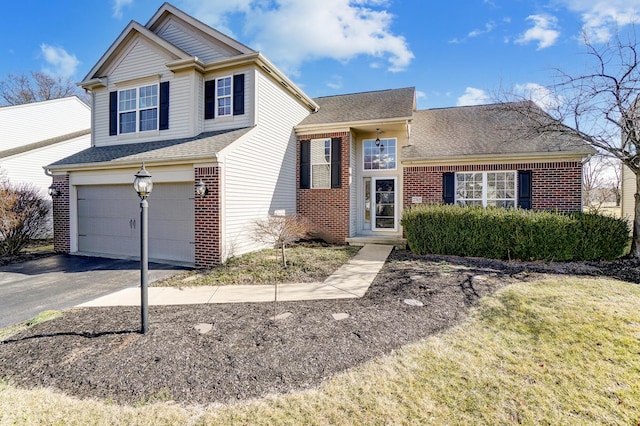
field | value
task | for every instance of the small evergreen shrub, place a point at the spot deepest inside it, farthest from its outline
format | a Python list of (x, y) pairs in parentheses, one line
[(514, 234)]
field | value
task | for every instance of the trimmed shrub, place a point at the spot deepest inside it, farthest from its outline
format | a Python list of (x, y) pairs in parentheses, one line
[(514, 234)]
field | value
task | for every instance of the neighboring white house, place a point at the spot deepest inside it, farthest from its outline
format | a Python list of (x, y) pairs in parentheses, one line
[(34, 135)]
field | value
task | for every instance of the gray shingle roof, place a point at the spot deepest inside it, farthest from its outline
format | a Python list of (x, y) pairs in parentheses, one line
[(205, 145), (356, 107), (498, 129)]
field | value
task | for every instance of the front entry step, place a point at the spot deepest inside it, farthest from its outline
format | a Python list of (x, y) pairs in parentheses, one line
[(400, 243)]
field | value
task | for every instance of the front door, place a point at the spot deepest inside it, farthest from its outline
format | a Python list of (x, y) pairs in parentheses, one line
[(380, 205)]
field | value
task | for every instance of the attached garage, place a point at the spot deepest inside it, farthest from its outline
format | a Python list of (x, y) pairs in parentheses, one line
[(108, 218)]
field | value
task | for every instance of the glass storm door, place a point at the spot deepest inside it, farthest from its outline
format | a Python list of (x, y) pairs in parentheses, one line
[(384, 212)]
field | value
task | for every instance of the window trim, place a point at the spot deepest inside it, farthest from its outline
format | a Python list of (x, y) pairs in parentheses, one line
[(326, 163), (485, 200), (229, 96), (138, 110), (395, 140)]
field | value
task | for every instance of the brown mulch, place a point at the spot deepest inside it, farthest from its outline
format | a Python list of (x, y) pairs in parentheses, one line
[(98, 352)]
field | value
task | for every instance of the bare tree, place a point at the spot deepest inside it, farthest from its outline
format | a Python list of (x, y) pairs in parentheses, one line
[(601, 182), (279, 231), (601, 106), (18, 89), (23, 216)]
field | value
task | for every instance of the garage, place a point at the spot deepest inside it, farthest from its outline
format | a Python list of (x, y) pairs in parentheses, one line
[(109, 221)]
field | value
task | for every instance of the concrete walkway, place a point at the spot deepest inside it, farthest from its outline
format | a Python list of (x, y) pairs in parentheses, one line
[(350, 281)]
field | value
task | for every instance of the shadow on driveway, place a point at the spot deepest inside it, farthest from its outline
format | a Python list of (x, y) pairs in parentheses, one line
[(63, 281)]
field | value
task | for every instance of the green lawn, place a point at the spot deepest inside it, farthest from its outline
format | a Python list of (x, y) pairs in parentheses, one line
[(551, 352)]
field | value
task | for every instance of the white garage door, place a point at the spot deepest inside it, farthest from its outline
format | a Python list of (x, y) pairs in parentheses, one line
[(109, 221)]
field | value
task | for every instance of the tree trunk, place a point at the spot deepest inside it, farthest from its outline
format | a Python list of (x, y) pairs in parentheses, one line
[(284, 256), (635, 242)]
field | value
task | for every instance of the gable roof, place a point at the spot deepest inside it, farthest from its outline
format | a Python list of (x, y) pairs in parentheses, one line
[(168, 9), (487, 131), (129, 32), (362, 107), (205, 145)]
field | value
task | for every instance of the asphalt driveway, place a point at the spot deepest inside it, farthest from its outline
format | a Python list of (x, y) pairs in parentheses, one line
[(63, 281)]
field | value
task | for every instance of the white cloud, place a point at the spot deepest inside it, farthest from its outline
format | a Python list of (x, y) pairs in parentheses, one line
[(118, 5), (59, 62), (544, 31), (601, 18), (291, 32), (488, 27), (542, 96), (473, 96)]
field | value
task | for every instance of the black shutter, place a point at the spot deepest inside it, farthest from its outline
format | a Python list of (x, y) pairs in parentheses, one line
[(336, 162), (238, 94), (448, 187), (164, 105), (305, 164), (113, 113), (525, 181), (209, 99)]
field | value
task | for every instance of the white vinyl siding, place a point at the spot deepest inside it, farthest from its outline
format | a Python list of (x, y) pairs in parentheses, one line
[(29, 123), (195, 44), (628, 187), (28, 166), (260, 172), (140, 60)]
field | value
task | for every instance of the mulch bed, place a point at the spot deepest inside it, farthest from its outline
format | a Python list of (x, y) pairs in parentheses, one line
[(98, 352)]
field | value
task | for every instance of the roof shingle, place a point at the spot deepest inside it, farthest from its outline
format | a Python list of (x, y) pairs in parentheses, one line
[(497, 129), (357, 107), (205, 145)]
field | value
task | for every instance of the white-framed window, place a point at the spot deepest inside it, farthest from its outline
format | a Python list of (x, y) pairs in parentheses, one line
[(320, 163), (486, 189), (224, 98), (138, 109), (379, 154)]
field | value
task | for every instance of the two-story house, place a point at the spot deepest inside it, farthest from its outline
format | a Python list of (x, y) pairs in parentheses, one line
[(198, 107)]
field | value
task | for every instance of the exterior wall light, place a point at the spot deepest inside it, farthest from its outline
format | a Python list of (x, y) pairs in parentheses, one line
[(53, 191), (201, 189)]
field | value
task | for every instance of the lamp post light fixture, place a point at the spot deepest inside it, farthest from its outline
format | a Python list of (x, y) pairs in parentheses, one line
[(143, 186)]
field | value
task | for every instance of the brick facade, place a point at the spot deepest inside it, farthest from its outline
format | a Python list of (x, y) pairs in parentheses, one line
[(60, 205), (556, 185), (208, 235), (326, 210)]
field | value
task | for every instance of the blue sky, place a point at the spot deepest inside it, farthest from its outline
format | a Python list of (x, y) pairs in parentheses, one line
[(454, 52)]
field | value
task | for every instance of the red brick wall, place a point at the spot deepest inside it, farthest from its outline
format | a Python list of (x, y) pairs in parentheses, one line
[(326, 210), (556, 185), (208, 250), (61, 232)]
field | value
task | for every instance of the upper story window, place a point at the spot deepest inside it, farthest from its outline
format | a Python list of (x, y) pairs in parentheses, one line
[(379, 154), (486, 189), (223, 96), (138, 109)]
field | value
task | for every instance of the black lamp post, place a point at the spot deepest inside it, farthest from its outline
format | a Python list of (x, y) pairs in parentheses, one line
[(143, 186)]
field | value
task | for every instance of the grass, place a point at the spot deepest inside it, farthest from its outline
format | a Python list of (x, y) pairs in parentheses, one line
[(7, 332), (562, 351), (305, 263)]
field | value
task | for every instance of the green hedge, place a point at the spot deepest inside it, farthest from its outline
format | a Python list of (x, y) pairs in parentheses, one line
[(514, 234)]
